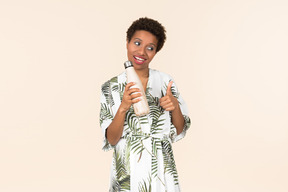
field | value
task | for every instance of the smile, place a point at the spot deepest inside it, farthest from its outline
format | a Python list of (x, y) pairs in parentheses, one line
[(139, 60)]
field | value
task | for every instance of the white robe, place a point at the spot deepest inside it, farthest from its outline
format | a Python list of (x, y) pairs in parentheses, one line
[(143, 158)]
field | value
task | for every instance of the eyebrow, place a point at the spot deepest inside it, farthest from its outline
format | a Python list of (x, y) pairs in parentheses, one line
[(150, 43)]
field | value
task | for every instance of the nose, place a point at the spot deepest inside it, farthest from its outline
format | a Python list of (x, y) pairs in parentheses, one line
[(142, 50)]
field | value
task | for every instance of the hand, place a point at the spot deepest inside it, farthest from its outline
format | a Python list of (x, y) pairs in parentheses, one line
[(130, 96), (169, 102)]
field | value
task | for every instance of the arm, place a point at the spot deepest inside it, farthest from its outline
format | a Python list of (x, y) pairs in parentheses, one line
[(115, 129), (178, 119)]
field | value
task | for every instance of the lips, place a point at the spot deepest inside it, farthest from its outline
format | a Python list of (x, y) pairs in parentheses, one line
[(139, 60)]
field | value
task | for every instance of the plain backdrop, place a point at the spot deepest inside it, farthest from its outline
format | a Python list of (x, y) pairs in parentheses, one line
[(228, 58)]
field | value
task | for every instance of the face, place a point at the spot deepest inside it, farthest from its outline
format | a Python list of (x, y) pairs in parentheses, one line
[(141, 49)]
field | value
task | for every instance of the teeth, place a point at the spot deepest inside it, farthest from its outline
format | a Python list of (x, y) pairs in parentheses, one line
[(140, 59)]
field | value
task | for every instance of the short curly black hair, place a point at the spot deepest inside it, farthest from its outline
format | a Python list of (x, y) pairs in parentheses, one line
[(151, 26)]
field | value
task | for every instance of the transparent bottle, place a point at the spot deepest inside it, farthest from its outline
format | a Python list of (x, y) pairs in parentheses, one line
[(141, 108)]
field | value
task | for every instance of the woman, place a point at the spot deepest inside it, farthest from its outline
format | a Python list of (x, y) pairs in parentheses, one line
[(143, 158)]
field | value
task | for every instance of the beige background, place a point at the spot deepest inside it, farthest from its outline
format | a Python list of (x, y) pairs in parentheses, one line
[(228, 58)]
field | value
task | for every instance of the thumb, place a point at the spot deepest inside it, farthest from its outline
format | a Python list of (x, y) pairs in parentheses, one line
[(168, 92)]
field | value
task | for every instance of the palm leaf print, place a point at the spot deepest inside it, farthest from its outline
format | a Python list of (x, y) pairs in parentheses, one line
[(127, 156), (156, 145), (169, 163), (119, 88), (107, 93), (132, 121), (173, 90), (145, 186), (105, 113), (187, 122), (155, 113), (137, 145), (122, 180), (143, 120)]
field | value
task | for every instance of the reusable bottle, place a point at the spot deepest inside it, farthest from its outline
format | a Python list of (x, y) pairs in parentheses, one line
[(141, 108)]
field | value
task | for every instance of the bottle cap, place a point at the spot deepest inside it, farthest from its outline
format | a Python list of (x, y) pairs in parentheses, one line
[(128, 64)]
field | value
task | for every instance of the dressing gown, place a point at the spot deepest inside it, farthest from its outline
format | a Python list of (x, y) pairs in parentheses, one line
[(143, 158)]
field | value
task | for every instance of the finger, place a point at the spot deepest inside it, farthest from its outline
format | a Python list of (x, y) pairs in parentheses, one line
[(163, 103), (133, 96), (169, 108), (127, 87), (126, 98), (166, 105), (169, 88), (136, 100), (162, 99), (133, 90)]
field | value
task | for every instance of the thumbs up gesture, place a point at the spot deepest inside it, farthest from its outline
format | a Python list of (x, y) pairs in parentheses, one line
[(169, 102)]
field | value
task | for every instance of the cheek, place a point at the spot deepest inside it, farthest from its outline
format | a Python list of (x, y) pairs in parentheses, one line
[(129, 46), (129, 51), (151, 55)]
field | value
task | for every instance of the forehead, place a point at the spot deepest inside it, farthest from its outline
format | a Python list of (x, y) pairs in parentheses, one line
[(145, 36)]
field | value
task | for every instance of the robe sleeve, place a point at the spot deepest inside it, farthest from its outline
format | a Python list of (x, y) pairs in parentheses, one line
[(106, 113), (184, 109)]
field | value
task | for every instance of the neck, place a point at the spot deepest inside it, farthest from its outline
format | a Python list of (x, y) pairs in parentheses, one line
[(144, 73)]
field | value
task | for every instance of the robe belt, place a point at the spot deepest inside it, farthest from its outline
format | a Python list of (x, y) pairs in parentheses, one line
[(161, 137)]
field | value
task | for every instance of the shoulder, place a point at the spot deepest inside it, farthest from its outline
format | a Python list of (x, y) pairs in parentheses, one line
[(159, 74), (112, 80)]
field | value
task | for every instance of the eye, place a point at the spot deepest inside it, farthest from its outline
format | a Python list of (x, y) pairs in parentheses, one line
[(137, 43), (150, 48)]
